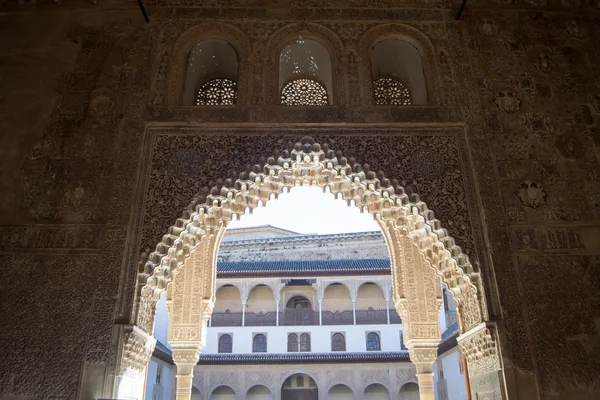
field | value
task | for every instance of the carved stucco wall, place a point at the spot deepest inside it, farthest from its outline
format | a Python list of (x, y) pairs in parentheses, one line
[(81, 83), (356, 376)]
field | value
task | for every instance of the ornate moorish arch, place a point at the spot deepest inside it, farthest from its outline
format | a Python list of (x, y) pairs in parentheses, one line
[(316, 32), (188, 39), (422, 255), (411, 35)]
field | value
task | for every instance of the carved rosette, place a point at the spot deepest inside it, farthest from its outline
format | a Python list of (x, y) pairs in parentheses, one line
[(138, 348), (480, 350)]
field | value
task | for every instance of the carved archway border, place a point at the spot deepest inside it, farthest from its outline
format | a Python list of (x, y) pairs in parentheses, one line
[(187, 244), (316, 32), (192, 36), (409, 34)]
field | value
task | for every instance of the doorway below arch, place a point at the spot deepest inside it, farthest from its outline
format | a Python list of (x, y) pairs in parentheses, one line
[(299, 387)]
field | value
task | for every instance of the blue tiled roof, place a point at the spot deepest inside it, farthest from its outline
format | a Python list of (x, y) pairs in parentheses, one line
[(364, 266), (304, 358)]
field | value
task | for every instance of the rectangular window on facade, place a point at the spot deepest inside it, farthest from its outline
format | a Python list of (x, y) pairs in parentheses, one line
[(305, 342), (373, 341), (338, 342), (259, 343), (225, 343), (292, 344)]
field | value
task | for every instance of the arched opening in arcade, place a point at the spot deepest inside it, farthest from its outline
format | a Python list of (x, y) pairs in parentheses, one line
[(424, 266), (299, 387)]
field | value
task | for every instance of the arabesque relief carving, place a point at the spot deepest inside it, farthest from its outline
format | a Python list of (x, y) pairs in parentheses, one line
[(78, 114), (184, 263)]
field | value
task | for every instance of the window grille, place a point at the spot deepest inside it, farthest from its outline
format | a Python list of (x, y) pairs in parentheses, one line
[(217, 92), (304, 92), (391, 92)]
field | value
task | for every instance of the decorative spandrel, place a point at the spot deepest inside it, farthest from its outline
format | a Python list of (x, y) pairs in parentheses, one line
[(217, 92), (391, 92), (304, 92)]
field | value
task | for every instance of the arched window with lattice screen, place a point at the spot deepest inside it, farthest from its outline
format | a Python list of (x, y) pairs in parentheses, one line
[(398, 74), (211, 74), (305, 73)]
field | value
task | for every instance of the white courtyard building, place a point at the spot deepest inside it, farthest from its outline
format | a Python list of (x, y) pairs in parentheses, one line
[(303, 317)]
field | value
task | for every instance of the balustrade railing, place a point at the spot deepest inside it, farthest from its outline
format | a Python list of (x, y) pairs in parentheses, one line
[(261, 319), (304, 316), (337, 317), (371, 316), (299, 316), (226, 319)]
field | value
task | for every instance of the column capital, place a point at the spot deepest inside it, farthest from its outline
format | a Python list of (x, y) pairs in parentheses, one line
[(423, 355), (186, 358)]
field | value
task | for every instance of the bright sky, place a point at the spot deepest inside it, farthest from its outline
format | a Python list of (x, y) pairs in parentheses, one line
[(308, 210)]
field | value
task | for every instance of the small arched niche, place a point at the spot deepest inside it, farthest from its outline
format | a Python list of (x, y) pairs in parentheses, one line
[(211, 75), (397, 72), (305, 77)]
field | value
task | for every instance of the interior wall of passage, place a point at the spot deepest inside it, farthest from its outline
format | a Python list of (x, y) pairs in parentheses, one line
[(337, 298), (228, 298), (209, 59), (370, 295), (395, 58), (260, 299), (306, 58)]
